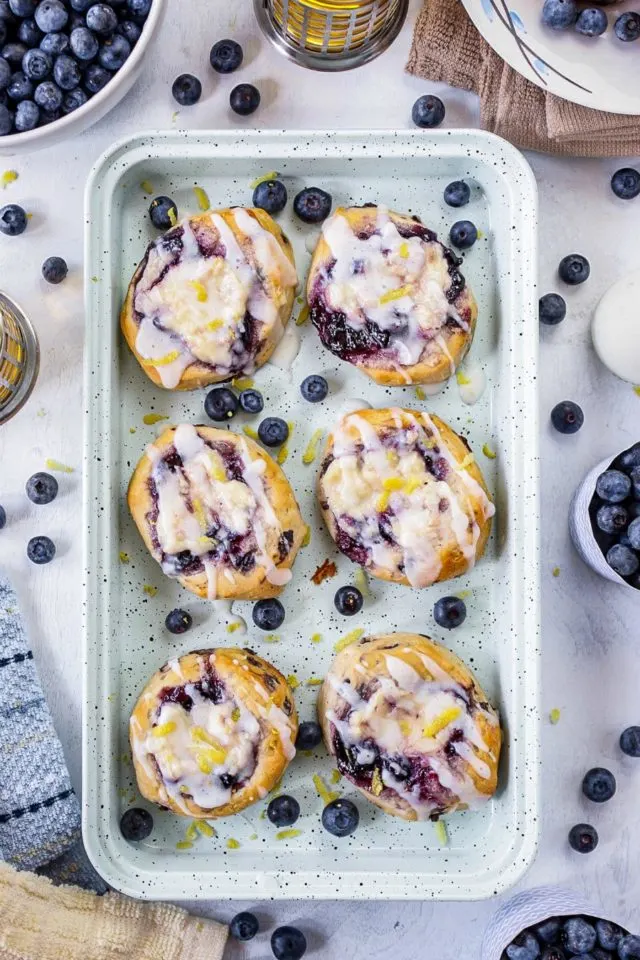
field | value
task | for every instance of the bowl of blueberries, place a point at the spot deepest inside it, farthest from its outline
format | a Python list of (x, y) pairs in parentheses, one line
[(65, 63), (604, 518)]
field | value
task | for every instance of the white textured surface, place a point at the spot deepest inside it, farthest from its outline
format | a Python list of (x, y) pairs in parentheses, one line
[(591, 660)]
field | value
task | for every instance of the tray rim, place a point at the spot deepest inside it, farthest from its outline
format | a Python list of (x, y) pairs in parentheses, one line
[(175, 885)]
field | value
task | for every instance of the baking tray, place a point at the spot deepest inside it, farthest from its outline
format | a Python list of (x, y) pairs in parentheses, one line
[(125, 637)]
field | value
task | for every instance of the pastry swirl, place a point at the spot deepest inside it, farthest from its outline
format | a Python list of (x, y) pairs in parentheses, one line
[(211, 298), (403, 497), (387, 296), (410, 727), (212, 732), (217, 513)]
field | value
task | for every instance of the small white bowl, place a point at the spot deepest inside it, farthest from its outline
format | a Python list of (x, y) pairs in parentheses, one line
[(95, 108)]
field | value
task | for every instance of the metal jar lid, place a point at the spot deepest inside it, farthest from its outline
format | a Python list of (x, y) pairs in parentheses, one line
[(19, 358)]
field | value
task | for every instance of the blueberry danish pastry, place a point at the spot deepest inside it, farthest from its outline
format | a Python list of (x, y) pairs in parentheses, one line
[(410, 727), (217, 513), (211, 298), (403, 496), (212, 733), (387, 296)]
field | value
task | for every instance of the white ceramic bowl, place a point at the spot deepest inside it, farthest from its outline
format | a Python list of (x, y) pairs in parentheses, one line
[(100, 104)]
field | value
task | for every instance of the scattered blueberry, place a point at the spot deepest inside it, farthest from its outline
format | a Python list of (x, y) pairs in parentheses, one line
[(220, 404), (583, 838), (51, 16), (599, 785), (29, 33), (548, 931), (136, 824), (95, 78), (627, 27), (186, 89), (270, 195), (552, 309), (625, 183), (54, 270), (428, 111), (36, 64), (73, 100), (630, 741), (101, 19), (629, 948), (567, 417), (41, 550), (6, 123), (20, 87), (48, 96), (178, 621), (608, 934), (457, 194), (288, 943), (463, 234), (592, 22), (244, 99), (23, 8), (273, 431), (268, 614), (251, 401), (244, 926), (340, 817), (42, 488), (612, 518), (622, 560), (578, 935), (559, 14), (312, 205), (5, 73), (309, 735), (524, 947), (613, 486), (314, 388), (13, 219), (3, 517), (54, 43), (449, 612), (574, 269), (348, 601), (283, 811), (163, 213), (225, 56), (66, 72), (139, 9)]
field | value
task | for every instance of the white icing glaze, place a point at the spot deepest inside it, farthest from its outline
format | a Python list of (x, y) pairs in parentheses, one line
[(351, 405), (287, 350), (224, 609), (472, 382)]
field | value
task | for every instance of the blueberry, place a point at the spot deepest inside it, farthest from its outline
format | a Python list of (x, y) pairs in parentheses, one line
[(54, 43), (635, 482), (314, 388), (54, 270), (66, 72), (220, 404), (552, 309), (136, 824), (6, 126), (629, 458), (244, 99), (583, 838), (598, 954), (29, 34), (612, 518), (567, 417), (457, 194), (268, 614), (81, 6), (622, 560), (178, 621), (251, 401), (340, 817), (186, 89), (73, 100), (627, 27), (3, 517), (41, 550), (23, 8), (625, 183), (48, 96), (524, 947), (270, 195), (273, 431), (555, 953), (574, 269), (13, 219), (608, 934), (312, 205), (428, 111), (163, 213), (613, 486), (42, 488), (629, 947), (114, 52), (36, 64), (463, 234), (225, 56), (309, 735), (101, 19), (548, 931), (139, 9), (130, 31), (578, 935), (51, 16), (75, 20), (633, 533), (14, 52), (288, 943), (348, 601), (592, 22), (630, 741), (244, 926), (20, 87), (5, 73), (283, 811), (450, 612), (599, 785), (559, 14), (96, 77), (84, 44)]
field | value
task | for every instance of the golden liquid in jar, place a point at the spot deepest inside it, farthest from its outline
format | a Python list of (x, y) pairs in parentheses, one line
[(332, 25), (12, 356)]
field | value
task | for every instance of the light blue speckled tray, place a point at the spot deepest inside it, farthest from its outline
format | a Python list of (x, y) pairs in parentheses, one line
[(125, 637)]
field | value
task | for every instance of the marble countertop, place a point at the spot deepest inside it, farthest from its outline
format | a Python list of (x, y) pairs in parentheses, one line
[(591, 653)]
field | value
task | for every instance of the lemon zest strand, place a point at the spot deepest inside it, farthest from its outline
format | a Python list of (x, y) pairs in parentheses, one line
[(352, 637), (311, 451), (202, 198)]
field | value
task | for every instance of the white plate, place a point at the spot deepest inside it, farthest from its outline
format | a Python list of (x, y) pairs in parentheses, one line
[(125, 638), (600, 72)]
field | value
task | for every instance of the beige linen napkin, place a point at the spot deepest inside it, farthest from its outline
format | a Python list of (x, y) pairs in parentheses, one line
[(41, 922), (447, 47)]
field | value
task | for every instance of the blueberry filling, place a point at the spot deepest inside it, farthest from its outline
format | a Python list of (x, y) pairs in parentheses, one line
[(284, 544), (209, 686)]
